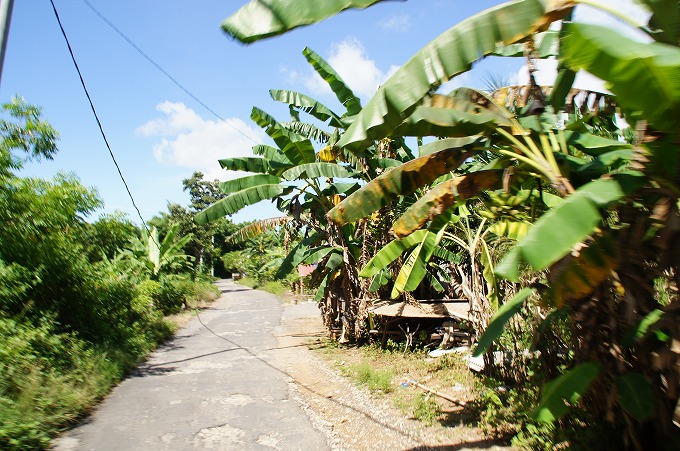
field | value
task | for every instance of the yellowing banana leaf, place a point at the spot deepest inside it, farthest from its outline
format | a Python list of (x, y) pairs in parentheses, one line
[(257, 228), (234, 202), (391, 252), (232, 186), (315, 170), (402, 180), (442, 197), (343, 93), (450, 54), (575, 278), (645, 77), (260, 19)]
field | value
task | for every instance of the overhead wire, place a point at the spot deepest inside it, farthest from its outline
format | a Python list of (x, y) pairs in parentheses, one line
[(96, 116), (162, 70)]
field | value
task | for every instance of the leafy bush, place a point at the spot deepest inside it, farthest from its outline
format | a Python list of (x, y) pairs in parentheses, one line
[(47, 379)]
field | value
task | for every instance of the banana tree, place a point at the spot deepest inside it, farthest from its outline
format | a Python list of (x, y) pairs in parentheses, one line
[(609, 243), (156, 255)]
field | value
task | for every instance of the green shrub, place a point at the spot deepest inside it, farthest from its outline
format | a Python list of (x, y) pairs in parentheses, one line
[(426, 409), (47, 379), (374, 380)]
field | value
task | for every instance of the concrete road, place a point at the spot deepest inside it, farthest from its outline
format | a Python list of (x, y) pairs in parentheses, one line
[(216, 385)]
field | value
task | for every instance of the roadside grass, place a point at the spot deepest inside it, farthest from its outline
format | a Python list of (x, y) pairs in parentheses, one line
[(388, 373), (274, 287)]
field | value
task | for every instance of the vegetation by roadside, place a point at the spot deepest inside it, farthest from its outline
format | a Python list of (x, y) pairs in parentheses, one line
[(81, 303)]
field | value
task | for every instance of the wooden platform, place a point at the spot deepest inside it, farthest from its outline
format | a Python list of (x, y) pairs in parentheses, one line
[(425, 309)]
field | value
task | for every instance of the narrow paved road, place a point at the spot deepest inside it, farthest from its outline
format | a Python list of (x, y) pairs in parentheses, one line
[(216, 385)]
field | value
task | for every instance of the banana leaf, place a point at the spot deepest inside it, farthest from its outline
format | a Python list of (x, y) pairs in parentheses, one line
[(315, 170), (343, 93), (444, 196), (249, 164), (402, 180), (263, 19), (232, 186), (645, 77), (296, 148), (391, 252), (664, 24), (296, 255), (450, 54), (256, 229), (546, 44), (568, 388), (635, 395), (448, 143), (313, 255), (572, 221), (380, 280), (414, 269), (502, 316), (308, 131), (235, 202), (273, 154), (306, 104), (593, 145)]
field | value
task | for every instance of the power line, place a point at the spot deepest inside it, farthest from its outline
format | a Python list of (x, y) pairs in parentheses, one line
[(96, 116), (163, 71)]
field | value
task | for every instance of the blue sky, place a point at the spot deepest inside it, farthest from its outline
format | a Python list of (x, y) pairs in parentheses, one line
[(159, 134)]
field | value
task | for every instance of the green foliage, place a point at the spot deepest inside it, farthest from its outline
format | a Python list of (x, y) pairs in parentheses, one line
[(497, 324), (158, 256), (427, 409), (374, 380), (565, 391), (26, 132), (74, 317)]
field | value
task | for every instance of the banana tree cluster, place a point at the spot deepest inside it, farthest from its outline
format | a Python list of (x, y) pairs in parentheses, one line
[(595, 235), (307, 174)]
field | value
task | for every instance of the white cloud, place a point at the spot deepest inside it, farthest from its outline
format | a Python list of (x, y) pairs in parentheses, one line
[(352, 63), (396, 22), (189, 141)]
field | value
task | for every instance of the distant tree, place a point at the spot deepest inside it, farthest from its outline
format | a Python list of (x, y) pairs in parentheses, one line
[(208, 242)]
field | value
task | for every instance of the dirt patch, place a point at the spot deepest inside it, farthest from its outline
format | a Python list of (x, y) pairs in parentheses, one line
[(357, 418)]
